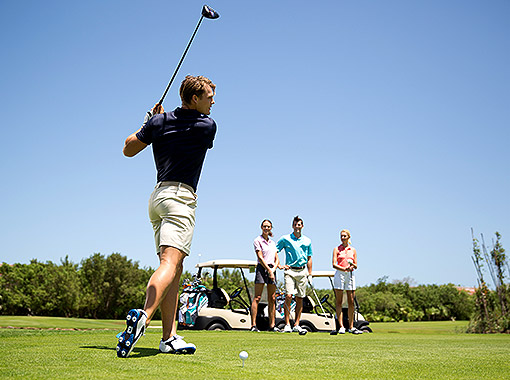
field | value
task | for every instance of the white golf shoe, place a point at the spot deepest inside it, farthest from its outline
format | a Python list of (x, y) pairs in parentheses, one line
[(299, 330), (341, 330), (287, 329), (176, 345)]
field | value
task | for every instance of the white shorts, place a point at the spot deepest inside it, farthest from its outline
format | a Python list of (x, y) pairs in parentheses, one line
[(295, 281), (344, 281), (172, 213)]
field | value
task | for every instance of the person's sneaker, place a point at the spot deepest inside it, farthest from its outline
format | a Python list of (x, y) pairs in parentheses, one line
[(176, 345), (354, 330), (135, 321), (254, 329), (341, 330), (274, 329), (299, 329), (287, 329)]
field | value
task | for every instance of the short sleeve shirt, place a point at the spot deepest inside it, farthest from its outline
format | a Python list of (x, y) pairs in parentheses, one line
[(180, 140), (268, 249), (297, 250)]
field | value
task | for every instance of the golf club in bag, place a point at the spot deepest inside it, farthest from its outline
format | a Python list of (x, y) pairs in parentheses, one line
[(333, 331), (288, 310), (207, 12)]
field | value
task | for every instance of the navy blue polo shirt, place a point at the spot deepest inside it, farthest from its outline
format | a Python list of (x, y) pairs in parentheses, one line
[(180, 139)]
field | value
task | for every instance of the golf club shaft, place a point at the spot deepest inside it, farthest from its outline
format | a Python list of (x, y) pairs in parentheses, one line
[(180, 62), (320, 303), (317, 298)]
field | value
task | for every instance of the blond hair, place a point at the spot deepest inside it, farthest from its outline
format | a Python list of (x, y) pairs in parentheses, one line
[(348, 234)]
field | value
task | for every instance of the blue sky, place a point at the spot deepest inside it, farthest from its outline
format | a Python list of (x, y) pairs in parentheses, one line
[(389, 118)]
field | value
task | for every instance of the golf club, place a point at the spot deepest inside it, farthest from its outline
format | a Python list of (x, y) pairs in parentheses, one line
[(333, 331), (207, 12)]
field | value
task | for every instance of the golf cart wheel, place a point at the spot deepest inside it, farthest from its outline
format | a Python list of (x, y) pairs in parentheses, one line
[(307, 327), (216, 326)]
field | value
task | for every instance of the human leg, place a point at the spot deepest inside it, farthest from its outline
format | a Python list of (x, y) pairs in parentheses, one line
[(171, 258), (289, 292), (350, 302), (271, 301), (299, 309), (164, 280), (300, 280), (339, 294), (255, 303), (163, 288), (286, 312), (172, 213)]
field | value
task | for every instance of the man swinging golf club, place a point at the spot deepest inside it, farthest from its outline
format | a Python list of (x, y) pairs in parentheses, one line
[(180, 140), (297, 268)]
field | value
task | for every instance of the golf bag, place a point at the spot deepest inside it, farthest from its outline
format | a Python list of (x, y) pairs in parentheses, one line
[(193, 298), (280, 303)]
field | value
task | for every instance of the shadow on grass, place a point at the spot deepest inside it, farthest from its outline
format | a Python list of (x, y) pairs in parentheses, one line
[(136, 353)]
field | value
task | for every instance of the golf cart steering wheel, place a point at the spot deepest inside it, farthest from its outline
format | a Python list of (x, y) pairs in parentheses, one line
[(235, 299), (236, 293)]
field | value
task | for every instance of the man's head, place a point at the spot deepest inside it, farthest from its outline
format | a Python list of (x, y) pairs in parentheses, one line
[(197, 93), (297, 225)]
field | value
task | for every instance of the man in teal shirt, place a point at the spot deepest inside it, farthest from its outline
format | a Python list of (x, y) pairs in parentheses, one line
[(297, 269)]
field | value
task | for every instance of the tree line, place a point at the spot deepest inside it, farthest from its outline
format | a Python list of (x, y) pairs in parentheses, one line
[(106, 287), (100, 287)]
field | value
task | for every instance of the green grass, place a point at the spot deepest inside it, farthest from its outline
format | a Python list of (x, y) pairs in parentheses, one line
[(421, 350)]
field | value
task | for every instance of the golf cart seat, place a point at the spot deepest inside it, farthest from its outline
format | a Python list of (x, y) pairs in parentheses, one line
[(218, 298), (308, 305)]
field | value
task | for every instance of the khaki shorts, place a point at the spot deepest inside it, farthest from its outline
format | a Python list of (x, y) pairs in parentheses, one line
[(295, 281), (172, 213)]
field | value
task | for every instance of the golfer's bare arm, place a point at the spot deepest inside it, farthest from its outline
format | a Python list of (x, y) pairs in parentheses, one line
[(133, 146), (309, 265), (335, 265), (276, 262), (355, 263), (262, 261)]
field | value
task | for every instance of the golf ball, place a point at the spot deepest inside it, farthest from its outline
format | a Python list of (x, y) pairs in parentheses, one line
[(243, 355)]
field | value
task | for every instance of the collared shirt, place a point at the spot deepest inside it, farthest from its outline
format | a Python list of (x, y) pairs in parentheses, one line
[(345, 254), (268, 249), (180, 140), (297, 250)]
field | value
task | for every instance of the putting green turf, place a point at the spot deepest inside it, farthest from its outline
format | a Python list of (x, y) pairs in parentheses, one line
[(422, 350)]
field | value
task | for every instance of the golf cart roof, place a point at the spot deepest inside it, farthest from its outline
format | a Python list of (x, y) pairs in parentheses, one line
[(323, 273), (227, 263)]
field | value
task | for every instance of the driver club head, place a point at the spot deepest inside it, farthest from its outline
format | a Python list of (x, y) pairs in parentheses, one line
[(333, 332), (208, 12)]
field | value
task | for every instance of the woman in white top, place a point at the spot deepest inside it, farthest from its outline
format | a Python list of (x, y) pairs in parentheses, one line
[(268, 262)]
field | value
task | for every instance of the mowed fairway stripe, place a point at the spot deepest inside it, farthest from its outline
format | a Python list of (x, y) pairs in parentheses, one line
[(432, 350)]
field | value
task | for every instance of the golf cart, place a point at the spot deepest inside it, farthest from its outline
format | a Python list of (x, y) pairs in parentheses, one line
[(215, 309), (322, 317)]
